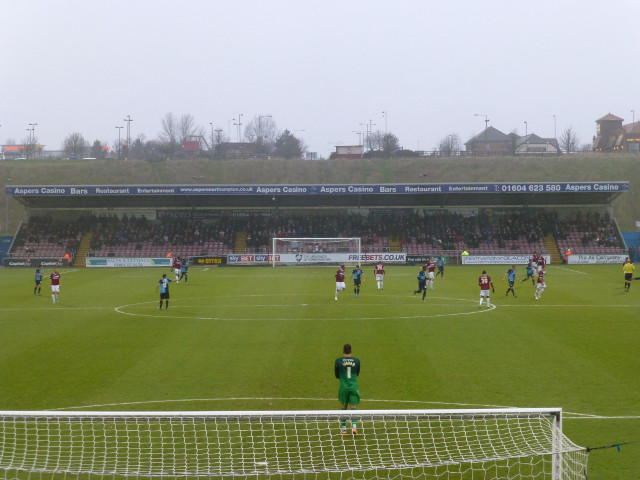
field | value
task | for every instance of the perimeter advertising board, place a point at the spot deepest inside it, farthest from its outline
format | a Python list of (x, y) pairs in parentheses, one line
[(35, 262), (499, 259), (577, 259), (315, 258), (107, 262)]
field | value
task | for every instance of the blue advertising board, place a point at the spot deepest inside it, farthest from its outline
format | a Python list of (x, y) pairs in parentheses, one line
[(347, 189)]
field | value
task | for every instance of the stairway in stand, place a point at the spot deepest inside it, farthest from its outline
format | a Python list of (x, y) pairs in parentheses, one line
[(395, 246), (240, 245), (552, 247), (83, 248)]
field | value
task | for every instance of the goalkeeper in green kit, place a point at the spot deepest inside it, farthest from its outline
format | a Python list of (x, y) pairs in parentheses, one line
[(347, 369)]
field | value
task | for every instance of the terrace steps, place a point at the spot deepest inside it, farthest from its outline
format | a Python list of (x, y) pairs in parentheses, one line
[(394, 244), (240, 245), (83, 248), (552, 247)]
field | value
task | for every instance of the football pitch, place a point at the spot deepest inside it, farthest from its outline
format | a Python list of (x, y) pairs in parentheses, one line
[(259, 338)]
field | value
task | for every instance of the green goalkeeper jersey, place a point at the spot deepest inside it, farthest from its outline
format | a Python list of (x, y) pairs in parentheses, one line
[(347, 370)]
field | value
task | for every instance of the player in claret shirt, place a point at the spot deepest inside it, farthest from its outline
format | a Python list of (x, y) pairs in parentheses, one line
[(177, 268), (340, 286), (540, 285), (485, 283), (431, 272), (378, 271), (54, 278)]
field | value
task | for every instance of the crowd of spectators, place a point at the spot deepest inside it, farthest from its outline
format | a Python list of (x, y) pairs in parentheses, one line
[(504, 230), (57, 237)]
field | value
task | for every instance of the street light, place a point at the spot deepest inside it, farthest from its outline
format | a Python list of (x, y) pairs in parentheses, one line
[(239, 124), (6, 210), (525, 128), (32, 138), (633, 112), (385, 114), (119, 143), (128, 120)]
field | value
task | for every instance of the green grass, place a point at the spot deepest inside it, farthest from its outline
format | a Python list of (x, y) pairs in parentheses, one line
[(265, 339)]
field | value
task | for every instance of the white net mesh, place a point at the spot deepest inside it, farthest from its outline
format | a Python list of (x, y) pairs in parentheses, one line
[(389, 444)]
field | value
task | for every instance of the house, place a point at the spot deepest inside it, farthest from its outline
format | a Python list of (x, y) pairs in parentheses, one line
[(490, 142), (349, 151), (532, 144), (613, 136)]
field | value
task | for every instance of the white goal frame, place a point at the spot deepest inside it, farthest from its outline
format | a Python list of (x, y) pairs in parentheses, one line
[(513, 443), (309, 258)]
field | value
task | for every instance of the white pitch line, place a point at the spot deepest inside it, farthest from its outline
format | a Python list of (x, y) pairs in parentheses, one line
[(566, 414)]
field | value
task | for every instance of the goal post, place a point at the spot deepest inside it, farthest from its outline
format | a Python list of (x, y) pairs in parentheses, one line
[(425, 444), (314, 251)]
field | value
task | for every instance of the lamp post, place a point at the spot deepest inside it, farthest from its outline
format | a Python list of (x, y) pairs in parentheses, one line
[(119, 143), (32, 138), (239, 124), (385, 115), (211, 123), (633, 113), (525, 128), (6, 210), (128, 120)]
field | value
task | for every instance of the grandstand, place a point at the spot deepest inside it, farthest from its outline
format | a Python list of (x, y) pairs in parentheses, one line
[(480, 223)]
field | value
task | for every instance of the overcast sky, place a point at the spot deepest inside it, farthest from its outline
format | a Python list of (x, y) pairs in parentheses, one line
[(324, 67)]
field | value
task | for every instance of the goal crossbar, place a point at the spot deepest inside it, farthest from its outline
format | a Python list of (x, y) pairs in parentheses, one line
[(249, 443)]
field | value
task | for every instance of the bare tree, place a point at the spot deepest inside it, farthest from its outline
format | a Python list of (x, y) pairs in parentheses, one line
[(262, 131), (383, 143), (169, 135), (568, 141), (187, 128), (74, 145), (450, 145)]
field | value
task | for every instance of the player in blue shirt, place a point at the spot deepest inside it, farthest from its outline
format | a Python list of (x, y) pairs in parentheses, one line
[(357, 277), (422, 283), (164, 291), (529, 274), (38, 276), (511, 273), (183, 271)]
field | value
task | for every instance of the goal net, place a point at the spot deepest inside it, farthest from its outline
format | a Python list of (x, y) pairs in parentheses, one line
[(309, 251), (423, 444)]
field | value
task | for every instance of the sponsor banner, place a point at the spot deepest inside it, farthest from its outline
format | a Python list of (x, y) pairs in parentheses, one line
[(315, 258), (337, 258), (320, 189), (250, 258), (35, 262), (207, 261), (577, 258), (127, 262), (499, 259)]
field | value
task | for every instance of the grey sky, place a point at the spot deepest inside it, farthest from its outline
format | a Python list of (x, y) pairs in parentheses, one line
[(323, 67)]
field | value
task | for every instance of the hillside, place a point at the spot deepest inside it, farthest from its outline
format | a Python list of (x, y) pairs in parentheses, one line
[(581, 167)]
